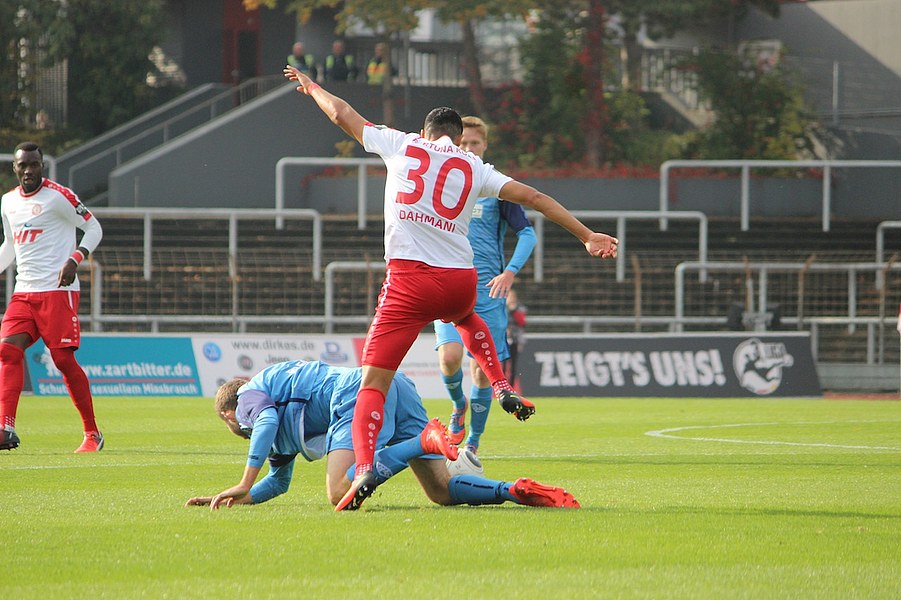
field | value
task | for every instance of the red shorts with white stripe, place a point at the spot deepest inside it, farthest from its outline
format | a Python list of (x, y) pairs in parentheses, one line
[(413, 295), (52, 316)]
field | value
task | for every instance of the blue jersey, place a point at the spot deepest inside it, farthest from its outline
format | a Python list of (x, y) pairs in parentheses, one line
[(306, 408), (301, 394), (490, 219)]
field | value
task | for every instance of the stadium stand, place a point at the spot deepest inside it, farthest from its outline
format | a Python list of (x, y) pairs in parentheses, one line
[(274, 289)]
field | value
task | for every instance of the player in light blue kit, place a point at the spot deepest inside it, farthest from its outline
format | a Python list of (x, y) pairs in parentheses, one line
[(491, 218), (306, 408)]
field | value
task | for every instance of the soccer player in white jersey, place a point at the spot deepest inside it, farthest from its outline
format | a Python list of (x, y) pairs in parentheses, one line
[(300, 408), (491, 218), (431, 188), (39, 222)]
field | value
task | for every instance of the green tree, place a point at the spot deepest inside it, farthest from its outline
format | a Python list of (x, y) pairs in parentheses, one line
[(760, 112), (466, 13), (661, 19), (24, 29), (537, 123), (107, 45)]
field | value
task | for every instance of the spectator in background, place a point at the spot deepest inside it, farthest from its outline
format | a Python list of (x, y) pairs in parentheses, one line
[(378, 67), (516, 334), (39, 222), (302, 61), (340, 66), (42, 120)]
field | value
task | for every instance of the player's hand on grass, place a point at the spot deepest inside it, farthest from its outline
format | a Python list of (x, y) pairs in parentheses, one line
[(199, 501), (230, 497)]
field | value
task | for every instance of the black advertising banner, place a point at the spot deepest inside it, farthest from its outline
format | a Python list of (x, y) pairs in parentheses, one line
[(669, 365)]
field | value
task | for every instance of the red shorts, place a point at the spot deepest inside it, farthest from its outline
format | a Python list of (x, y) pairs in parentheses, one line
[(413, 295), (52, 316)]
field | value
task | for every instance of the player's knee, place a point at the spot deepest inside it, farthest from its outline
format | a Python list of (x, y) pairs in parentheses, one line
[(439, 495), (335, 494), (64, 359), (11, 354)]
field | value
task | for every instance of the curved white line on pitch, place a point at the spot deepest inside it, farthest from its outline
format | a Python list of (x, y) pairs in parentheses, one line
[(665, 433)]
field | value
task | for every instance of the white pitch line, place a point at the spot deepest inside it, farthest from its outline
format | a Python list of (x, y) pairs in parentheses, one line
[(665, 433), (95, 466)]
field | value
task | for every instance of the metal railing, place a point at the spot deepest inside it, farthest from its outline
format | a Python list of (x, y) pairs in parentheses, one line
[(159, 134), (880, 247), (362, 188), (330, 270), (621, 217), (233, 216), (851, 318), (746, 165)]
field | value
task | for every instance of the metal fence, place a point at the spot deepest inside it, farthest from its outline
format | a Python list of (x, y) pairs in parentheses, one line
[(238, 272)]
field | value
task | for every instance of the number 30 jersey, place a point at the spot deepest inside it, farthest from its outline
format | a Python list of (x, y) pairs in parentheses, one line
[(430, 192)]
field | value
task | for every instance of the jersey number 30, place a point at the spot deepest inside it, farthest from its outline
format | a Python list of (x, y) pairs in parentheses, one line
[(417, 174)]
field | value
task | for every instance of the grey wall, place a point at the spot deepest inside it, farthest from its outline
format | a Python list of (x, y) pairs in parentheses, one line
[(231, 161)]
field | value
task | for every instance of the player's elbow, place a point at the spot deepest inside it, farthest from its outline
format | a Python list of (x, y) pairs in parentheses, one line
[(526, 196)]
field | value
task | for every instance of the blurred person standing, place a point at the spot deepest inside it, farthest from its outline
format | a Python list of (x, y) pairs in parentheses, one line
[(339, 66), (430, 192), (491, 218), (302, 60), (378, 66), (39, 222)]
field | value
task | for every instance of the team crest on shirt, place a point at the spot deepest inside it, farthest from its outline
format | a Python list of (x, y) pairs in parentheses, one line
[(36, 210)]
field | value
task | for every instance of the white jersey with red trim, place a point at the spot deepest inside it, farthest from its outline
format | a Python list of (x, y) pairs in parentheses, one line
[(42, 226), (431, 189)]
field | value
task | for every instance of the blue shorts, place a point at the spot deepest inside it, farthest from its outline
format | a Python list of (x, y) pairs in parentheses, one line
[(404, 415), (495, 317)]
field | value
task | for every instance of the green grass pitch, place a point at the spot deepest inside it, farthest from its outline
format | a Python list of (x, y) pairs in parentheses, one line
[(697, 498)]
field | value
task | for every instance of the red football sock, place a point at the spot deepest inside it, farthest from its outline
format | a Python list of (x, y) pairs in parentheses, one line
[(365, 428), (12, 380), (77, 384), (477, 339)]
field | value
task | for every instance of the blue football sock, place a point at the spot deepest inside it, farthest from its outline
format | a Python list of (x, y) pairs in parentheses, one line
[(454, 385), (392, 460), (480, 404), (475, 490)]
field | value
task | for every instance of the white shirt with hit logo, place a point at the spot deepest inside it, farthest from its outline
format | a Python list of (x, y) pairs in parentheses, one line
[(41, 226), (429, 195)]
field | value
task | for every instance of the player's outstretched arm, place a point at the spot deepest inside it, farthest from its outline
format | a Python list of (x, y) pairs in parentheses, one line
[(336, 109), (596, 244)]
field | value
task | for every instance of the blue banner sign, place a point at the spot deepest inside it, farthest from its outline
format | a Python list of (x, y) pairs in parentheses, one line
[(122, 366)]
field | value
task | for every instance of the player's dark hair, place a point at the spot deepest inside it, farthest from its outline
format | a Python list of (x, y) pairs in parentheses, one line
[(30, 147), (443, 121)]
